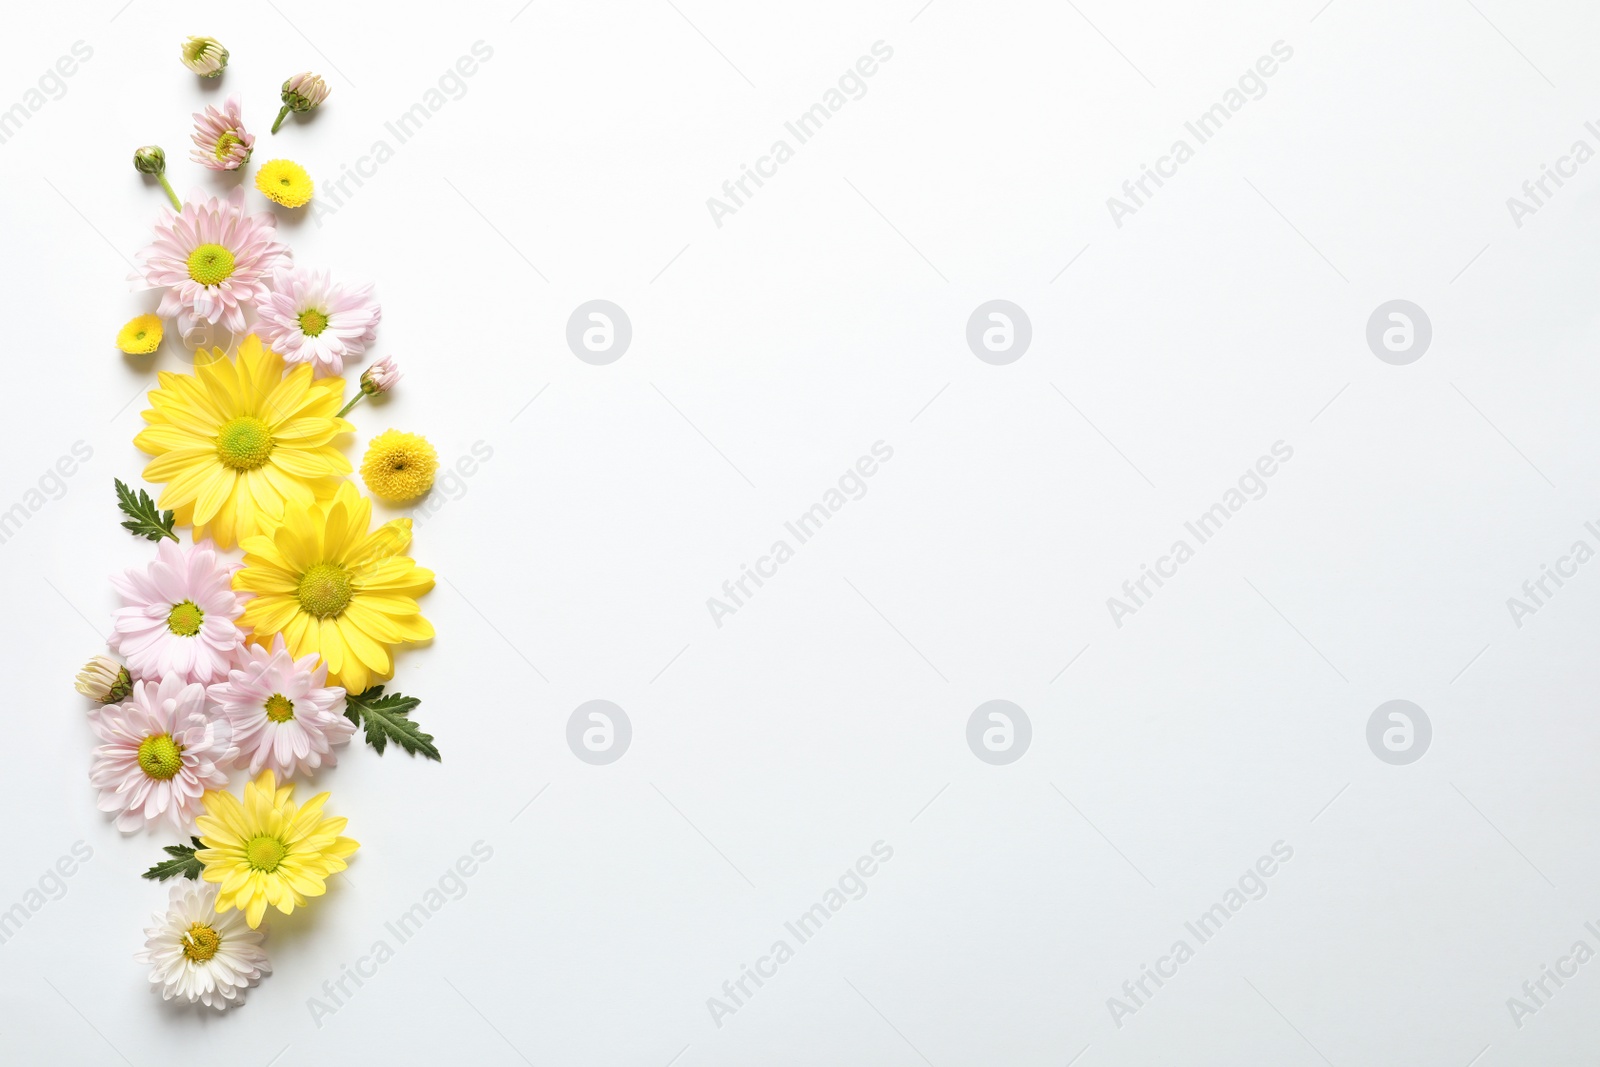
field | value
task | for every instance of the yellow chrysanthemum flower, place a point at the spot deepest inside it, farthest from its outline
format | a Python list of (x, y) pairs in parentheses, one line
[(267, 850), (399, 466), (285, 182), (237, 439), (140, 336), (332, 588)]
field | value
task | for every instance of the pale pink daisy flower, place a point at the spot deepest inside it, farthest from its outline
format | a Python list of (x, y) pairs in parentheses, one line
[(179, 618), (196, 953), (280, 714), (212, 259), (220, 139), (310, 318), (161, 752)]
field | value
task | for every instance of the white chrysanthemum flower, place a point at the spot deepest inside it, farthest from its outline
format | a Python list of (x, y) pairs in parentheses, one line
[(197, 954), (283, 716), (310, 318)]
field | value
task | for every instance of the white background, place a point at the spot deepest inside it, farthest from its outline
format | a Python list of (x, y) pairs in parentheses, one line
[(827, 314)]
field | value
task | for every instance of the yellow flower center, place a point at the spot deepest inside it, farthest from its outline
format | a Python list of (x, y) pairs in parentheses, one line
[(160, 756), (264, 853), (324, 590), (279, 708), (200, 943), (244, 443), (210, 264), (184, 619), (225, 143), (312, 322)]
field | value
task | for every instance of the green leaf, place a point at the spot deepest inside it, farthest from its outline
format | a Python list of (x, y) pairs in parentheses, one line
[(144, 520), (182, 862), (386, 718)]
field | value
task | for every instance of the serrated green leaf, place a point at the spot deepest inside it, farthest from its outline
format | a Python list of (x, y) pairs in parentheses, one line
[(144, 518), (387, 718), (182, 862)]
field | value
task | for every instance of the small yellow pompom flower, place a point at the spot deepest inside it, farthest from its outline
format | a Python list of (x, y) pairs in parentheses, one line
[(285, 182), (399, 466), (267, 850), (141, 336)]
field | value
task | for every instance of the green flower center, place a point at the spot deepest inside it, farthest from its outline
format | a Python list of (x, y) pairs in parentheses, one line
[(160, 756), (200, 943), (324, 590), (312, 322), (244, 443), (210, 264), (279, 708), (224, 144), (264, 853), (184, 619)]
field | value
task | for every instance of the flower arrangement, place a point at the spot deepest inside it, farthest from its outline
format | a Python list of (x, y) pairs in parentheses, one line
[(262, 632)]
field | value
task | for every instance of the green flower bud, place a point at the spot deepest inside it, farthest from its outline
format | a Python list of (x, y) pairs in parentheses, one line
[(150, 160)]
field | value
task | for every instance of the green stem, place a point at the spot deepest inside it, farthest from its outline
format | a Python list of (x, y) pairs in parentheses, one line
[(177, 205), (281, 116), (354, 401)]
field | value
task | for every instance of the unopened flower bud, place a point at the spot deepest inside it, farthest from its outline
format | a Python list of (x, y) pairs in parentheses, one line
[(105, 681), (152, 160), (380, 377), (301, 93), (205, 56)]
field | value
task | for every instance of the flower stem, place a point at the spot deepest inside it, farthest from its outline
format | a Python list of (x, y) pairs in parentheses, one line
[(353, 402), (281, 116), (177, 205)]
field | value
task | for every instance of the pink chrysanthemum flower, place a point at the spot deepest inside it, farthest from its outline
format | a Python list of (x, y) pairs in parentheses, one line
[(309, 318), (213, 260), (179, 618), (220, 139), (161, 753), (281, 715)]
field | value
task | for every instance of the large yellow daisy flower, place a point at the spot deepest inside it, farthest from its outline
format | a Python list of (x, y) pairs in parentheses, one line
[(238, 438), (332, 588), (267, 850)]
